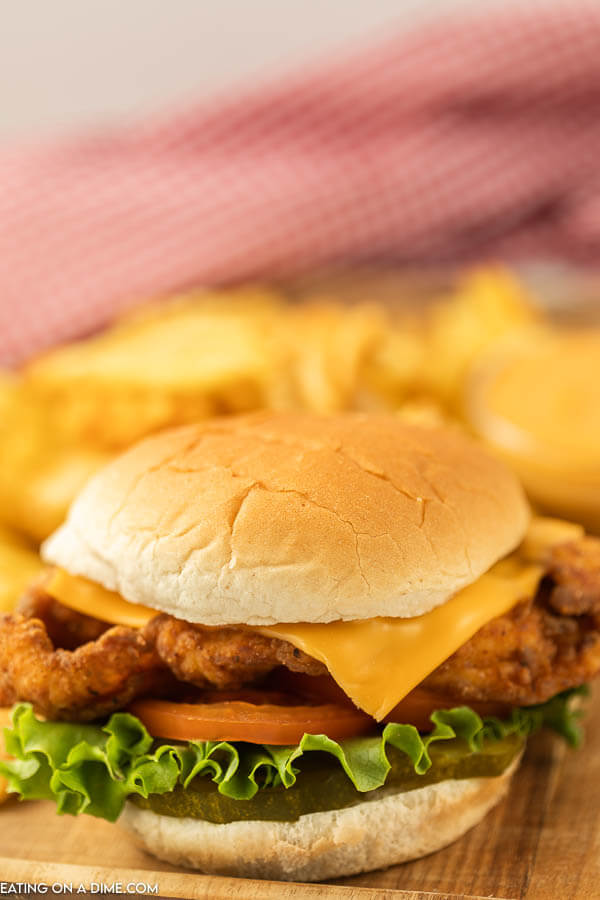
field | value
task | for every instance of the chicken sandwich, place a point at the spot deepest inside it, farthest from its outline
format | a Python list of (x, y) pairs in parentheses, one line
[(296, 647)]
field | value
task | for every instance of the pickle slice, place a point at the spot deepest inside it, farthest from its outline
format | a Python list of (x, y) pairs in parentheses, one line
[(322, 784)]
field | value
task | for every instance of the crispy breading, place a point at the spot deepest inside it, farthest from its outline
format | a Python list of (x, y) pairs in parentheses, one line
[(545, 644), (522, 658), (66, 627), (71, 666), (575, 571), (542, 646), (97, 678), (223, 657)]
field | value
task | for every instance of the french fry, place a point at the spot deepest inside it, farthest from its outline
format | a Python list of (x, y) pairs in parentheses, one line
[(488, 303), (38, 480), (425, 412), (393, 370), (327, 347), (19, 564)]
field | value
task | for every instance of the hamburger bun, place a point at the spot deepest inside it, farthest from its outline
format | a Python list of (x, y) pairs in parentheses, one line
[(269, 518)]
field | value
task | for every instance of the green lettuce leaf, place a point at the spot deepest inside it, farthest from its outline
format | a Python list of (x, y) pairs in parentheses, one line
[(94, 768)]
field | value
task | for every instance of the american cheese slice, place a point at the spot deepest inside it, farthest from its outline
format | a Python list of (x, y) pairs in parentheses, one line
[(375, 661), (544, 533), (94, 600), (378, 661)]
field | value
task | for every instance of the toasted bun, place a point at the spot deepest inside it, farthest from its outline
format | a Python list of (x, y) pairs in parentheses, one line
[(371, 835), (285, 518)]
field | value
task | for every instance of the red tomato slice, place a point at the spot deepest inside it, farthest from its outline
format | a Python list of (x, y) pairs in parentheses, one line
[(256, 723), (414, 709), (293, 704), (314, 688)]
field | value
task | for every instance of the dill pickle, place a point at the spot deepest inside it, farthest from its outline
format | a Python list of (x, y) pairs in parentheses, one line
[(322, 784)]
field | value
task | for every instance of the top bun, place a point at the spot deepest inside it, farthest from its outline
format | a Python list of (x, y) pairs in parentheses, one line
[(293, 518)]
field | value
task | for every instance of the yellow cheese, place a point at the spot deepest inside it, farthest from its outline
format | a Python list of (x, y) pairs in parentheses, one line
[(544, 533), (375, 661), (92, 599), (378, 661)]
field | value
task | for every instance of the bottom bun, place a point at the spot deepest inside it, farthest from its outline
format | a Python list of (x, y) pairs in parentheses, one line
[(370, 835)]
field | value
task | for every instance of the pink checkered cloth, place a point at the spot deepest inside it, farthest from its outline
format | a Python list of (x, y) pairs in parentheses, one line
[(468, 138)]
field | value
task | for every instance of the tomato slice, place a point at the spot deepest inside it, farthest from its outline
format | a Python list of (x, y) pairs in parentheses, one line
[(290, 705), (314, 688), (256, 723), (416, 708)]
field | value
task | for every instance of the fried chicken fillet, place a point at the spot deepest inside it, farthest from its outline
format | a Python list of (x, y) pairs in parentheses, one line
[(72, 666), (545, 644)]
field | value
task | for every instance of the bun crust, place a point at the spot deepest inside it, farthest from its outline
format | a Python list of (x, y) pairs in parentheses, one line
[(286, 517), (371, 835)]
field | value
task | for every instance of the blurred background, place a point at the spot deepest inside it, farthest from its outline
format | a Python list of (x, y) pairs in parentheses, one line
[(71, 65), (209, 209)]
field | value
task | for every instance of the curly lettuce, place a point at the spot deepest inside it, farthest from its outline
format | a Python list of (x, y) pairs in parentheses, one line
[(93, 769)]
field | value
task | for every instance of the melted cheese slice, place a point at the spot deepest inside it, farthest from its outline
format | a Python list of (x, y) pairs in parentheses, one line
[(91, 598), (378, 661)]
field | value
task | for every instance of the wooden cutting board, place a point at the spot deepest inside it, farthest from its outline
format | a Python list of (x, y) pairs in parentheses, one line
[(542, 843)]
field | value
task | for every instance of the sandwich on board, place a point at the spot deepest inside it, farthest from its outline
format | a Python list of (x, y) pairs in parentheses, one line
[(296, 647)]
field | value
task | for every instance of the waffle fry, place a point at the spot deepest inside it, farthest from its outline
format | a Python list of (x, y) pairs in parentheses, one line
[(192, 358)]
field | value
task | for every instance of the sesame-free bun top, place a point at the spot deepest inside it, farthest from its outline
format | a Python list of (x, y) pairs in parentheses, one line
[(293, 518)]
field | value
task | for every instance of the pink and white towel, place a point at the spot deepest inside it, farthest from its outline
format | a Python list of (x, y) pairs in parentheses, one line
[(469, 138)]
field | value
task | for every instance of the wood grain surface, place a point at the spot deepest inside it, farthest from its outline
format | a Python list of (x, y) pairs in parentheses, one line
[(541, 843)]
